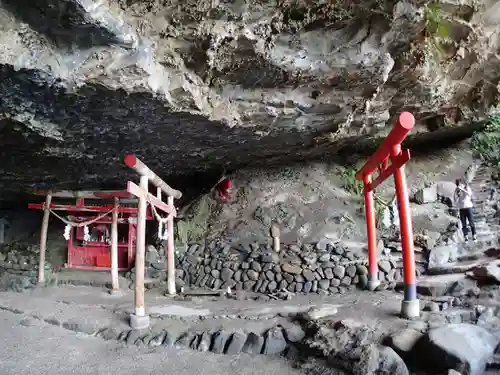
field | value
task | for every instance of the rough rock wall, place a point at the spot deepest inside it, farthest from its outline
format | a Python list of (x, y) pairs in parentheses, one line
[(197, 85)]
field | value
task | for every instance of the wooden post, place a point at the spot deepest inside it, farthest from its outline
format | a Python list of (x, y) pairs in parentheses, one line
[(114, 249), (275, 234), (140, 250), (170, 250), (43, 239)]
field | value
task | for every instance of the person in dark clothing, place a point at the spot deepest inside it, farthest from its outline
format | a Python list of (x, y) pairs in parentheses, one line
[(463, 200)]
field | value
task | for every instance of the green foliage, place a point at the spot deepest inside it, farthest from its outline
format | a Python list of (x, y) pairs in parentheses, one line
[(437, 29), (349, 182), (486, 142), (196, 226)]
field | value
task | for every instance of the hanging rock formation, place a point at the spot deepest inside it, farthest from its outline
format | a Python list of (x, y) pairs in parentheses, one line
[(192, 86)]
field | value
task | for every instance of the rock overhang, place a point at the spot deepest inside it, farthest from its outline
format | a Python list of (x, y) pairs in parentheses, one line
[(209, 87)]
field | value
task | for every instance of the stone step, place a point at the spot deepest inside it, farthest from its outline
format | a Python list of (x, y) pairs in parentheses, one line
[(459, 267), (465, 251), (441, 285)]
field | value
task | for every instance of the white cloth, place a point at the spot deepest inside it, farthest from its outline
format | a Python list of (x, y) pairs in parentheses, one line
[(463, 199)]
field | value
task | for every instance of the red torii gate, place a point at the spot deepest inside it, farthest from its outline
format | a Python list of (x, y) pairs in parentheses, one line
[(391, 149)]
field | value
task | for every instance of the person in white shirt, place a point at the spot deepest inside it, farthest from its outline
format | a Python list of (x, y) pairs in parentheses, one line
[(463, 200)]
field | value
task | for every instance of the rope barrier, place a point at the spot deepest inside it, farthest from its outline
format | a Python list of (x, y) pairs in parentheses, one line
[(85, 224), (162, 233)]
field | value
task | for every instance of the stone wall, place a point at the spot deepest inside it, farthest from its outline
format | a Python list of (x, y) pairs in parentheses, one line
[(323, 268)]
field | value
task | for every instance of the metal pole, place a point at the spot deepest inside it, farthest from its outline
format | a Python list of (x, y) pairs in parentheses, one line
[(140, 320), (410, 307), (170, 250), (43, 239), (371, 232), (114, 249)]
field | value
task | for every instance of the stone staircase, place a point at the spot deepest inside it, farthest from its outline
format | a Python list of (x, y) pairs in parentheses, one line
[(449, 264), (484, 189)]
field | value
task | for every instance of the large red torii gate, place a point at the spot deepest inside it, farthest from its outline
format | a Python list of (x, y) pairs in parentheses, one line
[(391, 149)]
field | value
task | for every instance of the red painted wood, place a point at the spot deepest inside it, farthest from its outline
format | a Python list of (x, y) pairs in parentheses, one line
[(397, 135)]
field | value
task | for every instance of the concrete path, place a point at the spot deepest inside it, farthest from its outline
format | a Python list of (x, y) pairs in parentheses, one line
[(36, 348)]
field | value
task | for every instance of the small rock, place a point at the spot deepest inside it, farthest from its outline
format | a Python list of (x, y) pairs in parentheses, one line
[(253, 275), (376, 359), (170, 338), (404, 341), (256, 266), (237, 276), (328, 273), (272, 286), (236, 343), (346, 281), (350, 271), (270, 257), (275, 342), (322, 244), (157, 339), (339, 272), (384, 266), (226, 274), (254, 344), (320, 312), (110, 334), (185, 340), (294, 333), (219, 341), (307, 287), (308, 275), (324, 284), (248, 285), (324, 258), (310, 258), (204, 344), (291, 269), (361, 270), (335, 282), (215, 273)]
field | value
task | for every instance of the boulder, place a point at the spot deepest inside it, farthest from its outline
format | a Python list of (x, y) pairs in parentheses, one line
[(441, 255), (426, 195), (376, 359), (465, 348)]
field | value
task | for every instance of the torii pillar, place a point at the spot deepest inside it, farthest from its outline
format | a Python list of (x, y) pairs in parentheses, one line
[(390, 149)]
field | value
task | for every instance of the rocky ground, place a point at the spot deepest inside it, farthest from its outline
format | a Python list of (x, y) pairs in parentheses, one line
[(31, 347), (359, 333), (306, 301)]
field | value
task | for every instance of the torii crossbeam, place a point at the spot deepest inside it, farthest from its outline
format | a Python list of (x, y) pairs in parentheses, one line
[(391, 149)]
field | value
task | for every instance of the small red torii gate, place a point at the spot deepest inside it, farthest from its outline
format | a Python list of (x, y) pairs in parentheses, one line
[(391, 149)]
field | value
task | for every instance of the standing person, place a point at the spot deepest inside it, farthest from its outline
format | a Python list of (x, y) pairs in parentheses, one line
[(463, 200)]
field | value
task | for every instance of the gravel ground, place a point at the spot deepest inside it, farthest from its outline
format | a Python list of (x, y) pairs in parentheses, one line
[(33, 347)]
